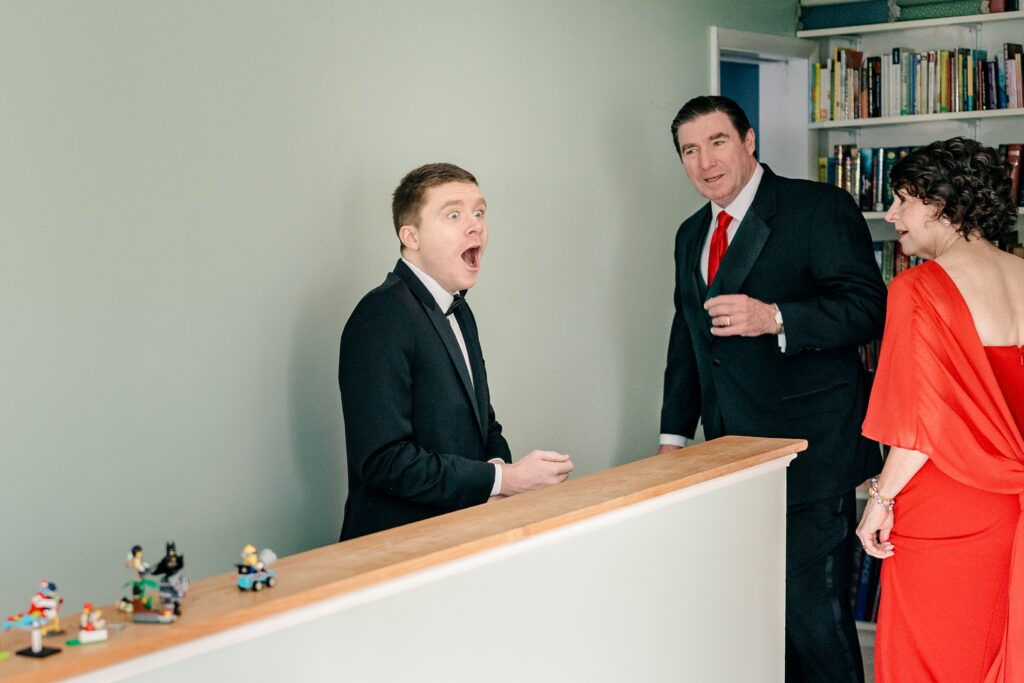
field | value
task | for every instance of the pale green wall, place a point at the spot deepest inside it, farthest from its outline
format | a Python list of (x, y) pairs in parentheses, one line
[(194, 195)]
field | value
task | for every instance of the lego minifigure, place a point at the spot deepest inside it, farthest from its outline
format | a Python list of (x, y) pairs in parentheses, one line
[(141, 605), (92, 627), (175, 581), (254, 571)]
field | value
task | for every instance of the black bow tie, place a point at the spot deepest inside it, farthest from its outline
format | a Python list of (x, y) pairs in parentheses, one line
[(456, 302)]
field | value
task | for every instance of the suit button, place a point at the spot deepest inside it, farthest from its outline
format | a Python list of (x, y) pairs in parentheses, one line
[(715, 362)]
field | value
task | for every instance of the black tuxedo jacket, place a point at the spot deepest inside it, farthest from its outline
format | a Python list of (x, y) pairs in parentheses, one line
[(418, 431), (804, 246)]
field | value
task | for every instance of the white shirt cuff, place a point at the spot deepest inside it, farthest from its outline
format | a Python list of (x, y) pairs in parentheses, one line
[(782, 343), (496, 489), (673, 440)]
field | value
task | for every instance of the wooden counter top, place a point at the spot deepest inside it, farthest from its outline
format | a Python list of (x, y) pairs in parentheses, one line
[(214, 604)]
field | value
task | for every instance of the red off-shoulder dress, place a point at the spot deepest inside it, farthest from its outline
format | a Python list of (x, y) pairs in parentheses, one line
[(952, 603)]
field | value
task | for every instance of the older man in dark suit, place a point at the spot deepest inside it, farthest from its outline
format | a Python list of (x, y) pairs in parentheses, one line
[(420, 431), (776, 286)]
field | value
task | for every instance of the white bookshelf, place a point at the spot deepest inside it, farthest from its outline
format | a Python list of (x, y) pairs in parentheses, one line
[(918, 118)]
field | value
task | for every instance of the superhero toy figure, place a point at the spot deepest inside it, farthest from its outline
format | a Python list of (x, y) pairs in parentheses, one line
[(175, 581), (144, 604)]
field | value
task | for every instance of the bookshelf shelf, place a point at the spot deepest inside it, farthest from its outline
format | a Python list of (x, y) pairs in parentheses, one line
[(917, 118), (966, 21), (880, 216)]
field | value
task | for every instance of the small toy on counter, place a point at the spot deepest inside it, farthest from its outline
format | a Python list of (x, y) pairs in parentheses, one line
[(47, 602), (92, 627), (175, 581), (41, 618), (144, 604), (254, 572)]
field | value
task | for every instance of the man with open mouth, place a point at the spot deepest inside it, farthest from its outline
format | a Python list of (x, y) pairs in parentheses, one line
[(420, 431)]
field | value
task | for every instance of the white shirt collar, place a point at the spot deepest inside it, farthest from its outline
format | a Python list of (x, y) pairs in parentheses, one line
[(739, 206), (443, 298)]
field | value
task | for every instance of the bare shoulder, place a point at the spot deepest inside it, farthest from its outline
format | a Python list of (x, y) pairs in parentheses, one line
[(1011, 264), (992, 285)]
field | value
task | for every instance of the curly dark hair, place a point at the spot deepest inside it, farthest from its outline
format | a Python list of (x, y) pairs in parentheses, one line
[(965, 180)]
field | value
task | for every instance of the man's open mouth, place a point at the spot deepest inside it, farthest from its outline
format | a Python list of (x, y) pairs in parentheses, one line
[(471, 257)]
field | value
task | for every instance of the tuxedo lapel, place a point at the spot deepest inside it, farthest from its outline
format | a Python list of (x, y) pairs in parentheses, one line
[(750, 239), (698, 229), (476, 362), (444, 330), (696, 290)]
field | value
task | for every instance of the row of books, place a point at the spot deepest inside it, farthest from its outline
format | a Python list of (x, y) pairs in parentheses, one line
[(869, 355), (904, 82), (891, 261), (864, 172)]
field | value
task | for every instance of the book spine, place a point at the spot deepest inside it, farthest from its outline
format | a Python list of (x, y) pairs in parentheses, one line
[(877, 111), (825, 84), (943, 80), (1013, 153), (904, 84), (991, 85), (879, 182), (1019, 80)]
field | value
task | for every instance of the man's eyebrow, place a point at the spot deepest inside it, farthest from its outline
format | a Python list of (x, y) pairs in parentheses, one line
[(714, 136), (458, 203)]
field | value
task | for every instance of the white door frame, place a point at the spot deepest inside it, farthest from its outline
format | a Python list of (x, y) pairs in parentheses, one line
[(789, 59)]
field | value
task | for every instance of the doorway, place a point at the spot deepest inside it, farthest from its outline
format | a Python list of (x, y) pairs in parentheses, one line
[(767, 75)]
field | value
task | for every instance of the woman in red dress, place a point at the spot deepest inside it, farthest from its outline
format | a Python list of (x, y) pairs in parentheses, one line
[(949, 399)]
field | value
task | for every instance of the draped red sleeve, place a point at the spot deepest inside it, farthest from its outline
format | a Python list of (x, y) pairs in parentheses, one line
[(935, 392)]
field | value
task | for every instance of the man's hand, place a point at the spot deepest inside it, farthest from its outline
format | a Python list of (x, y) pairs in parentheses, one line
[(738, 315), (667, 448), (535, 470)]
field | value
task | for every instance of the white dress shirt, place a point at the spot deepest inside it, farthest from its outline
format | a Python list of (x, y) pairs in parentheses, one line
[(444, 299)]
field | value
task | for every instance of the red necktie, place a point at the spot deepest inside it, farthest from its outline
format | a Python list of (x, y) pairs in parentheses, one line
[(719, 243)]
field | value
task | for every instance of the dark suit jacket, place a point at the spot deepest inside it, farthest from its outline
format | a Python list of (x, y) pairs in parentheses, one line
[(417, 431), (804, 246)]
